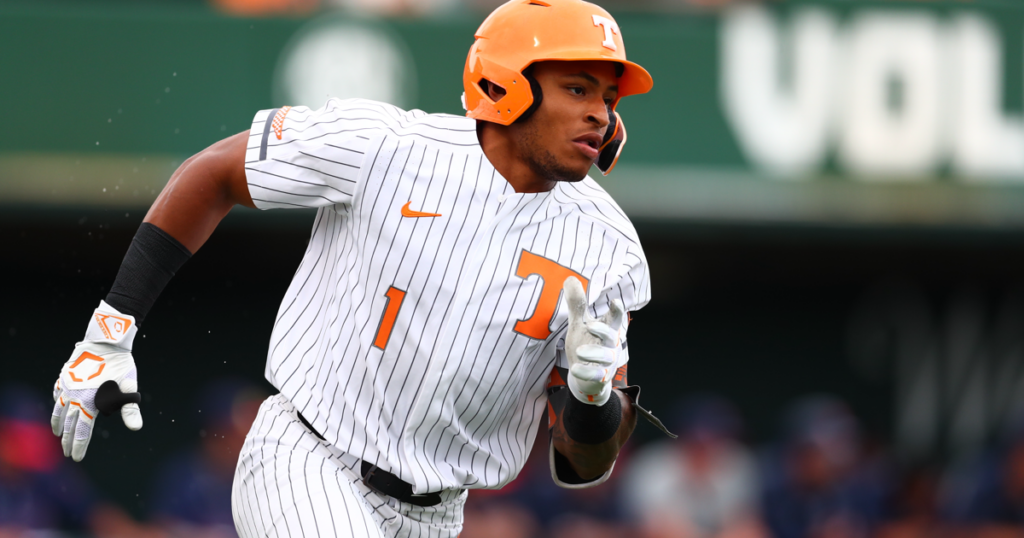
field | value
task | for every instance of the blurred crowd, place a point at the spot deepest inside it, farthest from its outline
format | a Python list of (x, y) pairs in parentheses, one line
[(820, 478), (42, 493)]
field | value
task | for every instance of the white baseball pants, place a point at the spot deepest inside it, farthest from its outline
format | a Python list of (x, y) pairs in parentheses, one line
[(290, 483)]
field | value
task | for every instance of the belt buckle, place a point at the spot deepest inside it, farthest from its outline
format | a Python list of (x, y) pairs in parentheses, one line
[(368, 476)]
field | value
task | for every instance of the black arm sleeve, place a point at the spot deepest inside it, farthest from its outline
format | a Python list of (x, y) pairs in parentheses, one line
[(592, 424), (152, 259)]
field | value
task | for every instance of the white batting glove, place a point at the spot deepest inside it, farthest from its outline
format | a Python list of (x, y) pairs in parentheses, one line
[(591, 345), (99, 377)]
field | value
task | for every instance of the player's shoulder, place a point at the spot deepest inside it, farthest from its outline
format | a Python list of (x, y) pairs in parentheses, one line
[(592, 203), (391, 120)]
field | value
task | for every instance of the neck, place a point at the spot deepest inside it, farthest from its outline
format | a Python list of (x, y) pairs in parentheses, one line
[(498, 144)]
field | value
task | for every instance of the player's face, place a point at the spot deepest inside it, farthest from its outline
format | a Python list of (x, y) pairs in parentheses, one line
[(560, 141)]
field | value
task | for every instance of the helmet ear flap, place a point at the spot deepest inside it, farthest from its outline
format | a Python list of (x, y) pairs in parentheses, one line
[(614, 140), (479, 104), (538, 95)]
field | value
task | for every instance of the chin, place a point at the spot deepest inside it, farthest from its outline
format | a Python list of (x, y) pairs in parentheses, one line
[(548, 166), (576, 177), (573, 170), (568, 175)]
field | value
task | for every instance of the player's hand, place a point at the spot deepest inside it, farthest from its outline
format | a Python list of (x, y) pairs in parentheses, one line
[(99, 377), (592, 346)]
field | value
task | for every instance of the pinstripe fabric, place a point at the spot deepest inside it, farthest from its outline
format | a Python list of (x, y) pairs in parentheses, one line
[(289, 483), (454, 398)]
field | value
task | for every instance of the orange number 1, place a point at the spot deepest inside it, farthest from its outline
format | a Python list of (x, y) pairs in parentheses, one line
[(387, 321)]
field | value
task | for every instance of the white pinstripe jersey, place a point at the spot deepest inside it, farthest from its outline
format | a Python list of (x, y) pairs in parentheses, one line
[(421, 343)]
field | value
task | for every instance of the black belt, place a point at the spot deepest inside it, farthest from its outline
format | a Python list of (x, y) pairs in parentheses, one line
[(382, 481)]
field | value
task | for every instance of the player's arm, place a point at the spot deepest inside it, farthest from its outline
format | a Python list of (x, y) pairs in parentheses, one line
[(101, 376), (202, 191), (592, 410), (196, 198), (588, 419), (587, 438)]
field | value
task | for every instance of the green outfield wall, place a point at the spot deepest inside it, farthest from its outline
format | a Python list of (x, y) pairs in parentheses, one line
[(820, 113)]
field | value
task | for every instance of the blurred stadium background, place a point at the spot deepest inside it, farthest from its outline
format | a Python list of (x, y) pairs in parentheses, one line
[(830, 193)]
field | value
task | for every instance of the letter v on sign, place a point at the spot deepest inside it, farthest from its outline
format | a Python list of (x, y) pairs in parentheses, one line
[(552, 277)]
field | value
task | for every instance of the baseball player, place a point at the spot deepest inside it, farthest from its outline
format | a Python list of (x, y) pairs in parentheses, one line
[(463, 276)]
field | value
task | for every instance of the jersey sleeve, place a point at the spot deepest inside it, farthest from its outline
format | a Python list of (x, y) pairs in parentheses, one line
[(297, 157)]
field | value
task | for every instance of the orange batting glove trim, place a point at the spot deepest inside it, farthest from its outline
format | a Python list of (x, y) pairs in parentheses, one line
[(84, 412)]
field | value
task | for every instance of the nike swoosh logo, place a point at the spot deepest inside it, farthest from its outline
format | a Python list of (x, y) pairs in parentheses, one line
[(406, 212)]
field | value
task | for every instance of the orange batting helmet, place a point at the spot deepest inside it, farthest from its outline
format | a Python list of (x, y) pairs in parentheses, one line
[(522, 32)]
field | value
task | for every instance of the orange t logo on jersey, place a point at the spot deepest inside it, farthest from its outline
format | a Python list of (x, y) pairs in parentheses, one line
[(552, 276)]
